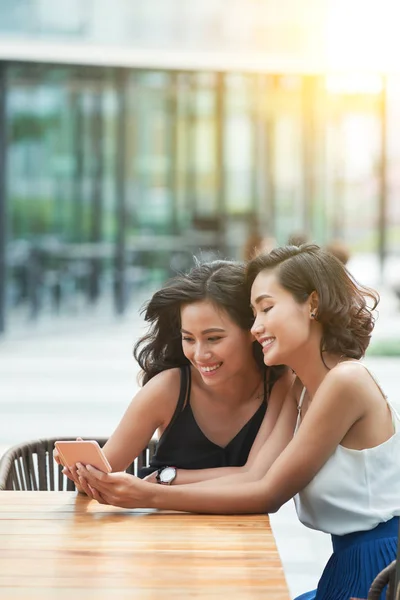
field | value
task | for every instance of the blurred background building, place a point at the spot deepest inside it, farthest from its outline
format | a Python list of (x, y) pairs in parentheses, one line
[(136, 134)]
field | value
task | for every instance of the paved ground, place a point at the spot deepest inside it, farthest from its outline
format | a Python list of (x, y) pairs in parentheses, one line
[(77, 378)]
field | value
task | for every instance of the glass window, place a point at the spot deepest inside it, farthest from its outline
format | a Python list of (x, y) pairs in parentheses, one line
[(148, 135), (61, 185), (287, 158), (204, 144), (353, 145), (239, 143)]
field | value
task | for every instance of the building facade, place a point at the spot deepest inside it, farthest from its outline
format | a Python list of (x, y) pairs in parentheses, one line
[(119, 160)]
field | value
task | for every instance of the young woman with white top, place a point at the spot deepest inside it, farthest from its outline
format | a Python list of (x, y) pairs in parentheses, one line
[(335, 448)]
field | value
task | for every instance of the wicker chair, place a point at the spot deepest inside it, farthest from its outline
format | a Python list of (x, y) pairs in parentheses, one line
[(30, 466)]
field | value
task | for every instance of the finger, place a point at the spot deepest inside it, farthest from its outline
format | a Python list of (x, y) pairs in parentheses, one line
[(68, 474), (97, 496), (74, 472), (57, 457), (85, 487), (98, 483), (93, 474)]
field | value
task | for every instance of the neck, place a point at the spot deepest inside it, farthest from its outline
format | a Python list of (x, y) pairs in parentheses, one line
[(241, 388), (310, 368)]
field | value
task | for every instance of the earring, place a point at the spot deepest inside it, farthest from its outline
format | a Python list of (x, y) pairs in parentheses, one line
[(312, 315)]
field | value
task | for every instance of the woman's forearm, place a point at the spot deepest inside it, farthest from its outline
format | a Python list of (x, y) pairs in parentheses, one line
[(234, 475), (184, 476), (217, 499)]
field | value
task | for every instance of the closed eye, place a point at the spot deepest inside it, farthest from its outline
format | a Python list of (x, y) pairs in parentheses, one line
[(265, 310)]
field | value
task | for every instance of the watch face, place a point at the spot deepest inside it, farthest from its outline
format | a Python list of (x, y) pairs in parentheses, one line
[(167, 474)]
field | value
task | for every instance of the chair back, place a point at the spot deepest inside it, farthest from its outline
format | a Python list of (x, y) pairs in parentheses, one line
[(30, 466)]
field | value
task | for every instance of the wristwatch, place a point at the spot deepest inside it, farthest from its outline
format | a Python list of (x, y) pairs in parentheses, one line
[(166, 475)]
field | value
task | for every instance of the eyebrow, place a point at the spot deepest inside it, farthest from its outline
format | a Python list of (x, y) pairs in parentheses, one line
[(211, 330), (259, 298), (262, 297)]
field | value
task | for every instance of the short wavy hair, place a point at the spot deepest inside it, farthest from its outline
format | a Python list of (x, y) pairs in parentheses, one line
[(343, 311)]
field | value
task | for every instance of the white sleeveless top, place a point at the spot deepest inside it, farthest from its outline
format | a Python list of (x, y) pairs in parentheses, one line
[(355, 490)]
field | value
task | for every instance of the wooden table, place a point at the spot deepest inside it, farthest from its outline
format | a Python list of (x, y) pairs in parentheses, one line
[(60, 545)]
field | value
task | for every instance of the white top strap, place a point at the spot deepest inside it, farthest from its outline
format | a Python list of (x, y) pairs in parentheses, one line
[(300, 404)]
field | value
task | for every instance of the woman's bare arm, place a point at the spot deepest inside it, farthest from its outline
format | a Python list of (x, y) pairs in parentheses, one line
[(338, 404), (124, 490), (152, 407)]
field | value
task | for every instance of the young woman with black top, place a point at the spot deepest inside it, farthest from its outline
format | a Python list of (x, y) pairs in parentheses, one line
[(205, 387)]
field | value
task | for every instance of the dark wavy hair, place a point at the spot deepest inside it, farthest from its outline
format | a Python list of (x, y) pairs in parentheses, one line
[(223, 283), (347, 320)]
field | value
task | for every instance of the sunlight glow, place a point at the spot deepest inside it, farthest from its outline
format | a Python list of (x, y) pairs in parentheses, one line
[(354, 83), (363, 35)]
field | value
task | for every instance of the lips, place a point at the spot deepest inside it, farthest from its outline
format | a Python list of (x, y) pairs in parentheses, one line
[(209, 368), (266, 342)]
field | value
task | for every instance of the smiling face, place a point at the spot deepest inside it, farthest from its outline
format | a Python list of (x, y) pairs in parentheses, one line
[(282, 325), (215, 345)]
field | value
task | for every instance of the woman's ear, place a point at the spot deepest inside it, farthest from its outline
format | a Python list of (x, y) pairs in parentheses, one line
[(313, 305)]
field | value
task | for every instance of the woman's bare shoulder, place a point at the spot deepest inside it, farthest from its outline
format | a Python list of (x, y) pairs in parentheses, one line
[(351, 375), (167, 381), (348, 388), (159, 396)]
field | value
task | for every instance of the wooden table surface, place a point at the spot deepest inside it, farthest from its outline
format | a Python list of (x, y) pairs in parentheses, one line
[(61, 545)]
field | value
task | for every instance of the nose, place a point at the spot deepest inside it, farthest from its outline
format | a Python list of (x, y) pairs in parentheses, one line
[(201, 353), (257, 327)]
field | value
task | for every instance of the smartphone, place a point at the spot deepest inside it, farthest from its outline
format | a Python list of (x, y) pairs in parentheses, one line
[(87, 452)]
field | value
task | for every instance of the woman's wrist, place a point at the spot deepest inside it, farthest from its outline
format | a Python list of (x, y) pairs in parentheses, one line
[(152, 496)]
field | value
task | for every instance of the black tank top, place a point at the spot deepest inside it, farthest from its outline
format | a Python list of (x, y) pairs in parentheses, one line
[(184, 445)]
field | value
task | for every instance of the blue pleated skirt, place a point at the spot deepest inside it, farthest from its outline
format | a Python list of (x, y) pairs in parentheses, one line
[(356, 560)]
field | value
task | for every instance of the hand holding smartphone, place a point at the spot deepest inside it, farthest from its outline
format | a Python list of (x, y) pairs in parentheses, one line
[(87, 452)]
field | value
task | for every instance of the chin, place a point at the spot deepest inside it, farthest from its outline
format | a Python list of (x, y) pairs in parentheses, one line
[(210, 380), (272, 360)]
